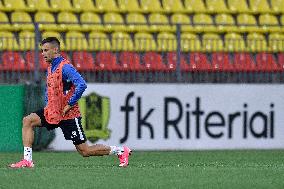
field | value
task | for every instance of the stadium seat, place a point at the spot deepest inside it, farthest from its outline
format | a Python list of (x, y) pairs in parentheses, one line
[(129, 6), (98, 42), (38, 5), (68, 21), (3, 8), (212, 42), (13, 61), (106, 6), (154, 62), (184, 20), (196, 6), (276, 42), (84, 5), (243, 62), (203, 23), (121, 41), (91, 22), (159, 22), (247, 23), (277, 6), (259, 6), (130, 61), (225, 23), (144, 42), (281, 61), (221, 62), (136, 22), (151, 6), (75, 41), (21, 21), (265, 62), (46, 22), (269, 23), (256, 42), (61, 5), (16, 5), (30, 60), (166, 42), (106, 61), (238, 6), (234, 43), (173, 6), (83, 61), (216, 6), (190, 42), (8, 41), (114, 22), (198, 62), (172, 62), (54, 34), (5, 24), (27, 40)]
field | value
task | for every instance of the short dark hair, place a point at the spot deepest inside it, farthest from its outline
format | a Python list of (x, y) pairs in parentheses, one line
[(52, 40)]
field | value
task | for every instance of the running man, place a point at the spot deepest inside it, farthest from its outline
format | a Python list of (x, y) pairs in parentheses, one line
[(64, 88)]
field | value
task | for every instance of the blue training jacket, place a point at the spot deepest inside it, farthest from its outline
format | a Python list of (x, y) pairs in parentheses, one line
[(69, 76)]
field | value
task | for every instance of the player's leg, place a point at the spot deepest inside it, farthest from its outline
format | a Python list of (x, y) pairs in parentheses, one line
[(95, 150)]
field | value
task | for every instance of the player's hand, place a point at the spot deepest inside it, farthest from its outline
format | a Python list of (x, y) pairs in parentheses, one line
[(66, 109)]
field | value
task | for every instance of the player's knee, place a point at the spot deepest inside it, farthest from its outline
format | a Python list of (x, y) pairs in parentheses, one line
[(27, 122)]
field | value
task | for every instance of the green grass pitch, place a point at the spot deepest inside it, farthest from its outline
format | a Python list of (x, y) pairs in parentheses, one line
[(175, 169)]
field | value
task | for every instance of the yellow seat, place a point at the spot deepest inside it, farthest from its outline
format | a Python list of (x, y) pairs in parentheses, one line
[(27, 40), (144, 42), (203, 23), (182, 19), (269, 23), (256, 42), (151, 6), (225, 23), (3, 8), (259, 6), (106, 6), (114, 22), (8, 41), (129, 6), (159, 22), (238, 6), (16, 5), (277, 6), (276, 42), (98, 41), (91, 22), (247, 23), (68, 21), (75, 41), (190, 42), (212, 42), (234, 42), (54, 34), (5, 24), (173, 6), (121, 41), (61, 5), (84, 5), (216, 6), (46, 22), (38, 5), (21, 21), (197, 6), (136, 22), (166, 42)]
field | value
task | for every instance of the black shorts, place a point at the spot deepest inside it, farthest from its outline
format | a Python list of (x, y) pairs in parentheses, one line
[(71, 128)]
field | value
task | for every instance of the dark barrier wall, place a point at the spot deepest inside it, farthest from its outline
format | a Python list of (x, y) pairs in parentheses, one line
[(11, 113)]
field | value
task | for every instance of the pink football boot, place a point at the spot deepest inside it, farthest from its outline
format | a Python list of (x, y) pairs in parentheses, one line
[(123, 158), (22, 164)]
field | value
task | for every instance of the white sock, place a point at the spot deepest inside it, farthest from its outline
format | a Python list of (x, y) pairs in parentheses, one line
[(116, 150), (28, 153)]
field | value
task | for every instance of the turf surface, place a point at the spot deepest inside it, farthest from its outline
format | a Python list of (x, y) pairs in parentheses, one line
[(188, 169)]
